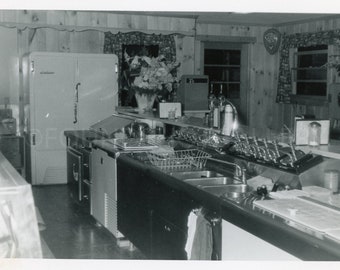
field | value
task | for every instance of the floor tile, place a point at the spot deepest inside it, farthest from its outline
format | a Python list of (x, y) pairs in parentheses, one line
[(71, 232)]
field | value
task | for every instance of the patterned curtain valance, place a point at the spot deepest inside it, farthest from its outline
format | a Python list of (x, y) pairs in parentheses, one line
[(113, 43), (284, 88)]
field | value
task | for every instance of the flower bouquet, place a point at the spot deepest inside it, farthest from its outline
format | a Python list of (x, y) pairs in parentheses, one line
[(149, 77)]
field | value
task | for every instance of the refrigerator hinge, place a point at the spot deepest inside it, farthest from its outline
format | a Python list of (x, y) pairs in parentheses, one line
[(32, 66)]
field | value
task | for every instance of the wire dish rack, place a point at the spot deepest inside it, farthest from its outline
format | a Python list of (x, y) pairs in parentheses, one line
[(179, 159)]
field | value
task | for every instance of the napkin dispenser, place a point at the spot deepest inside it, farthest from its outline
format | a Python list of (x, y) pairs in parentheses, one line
[(165, 107), (301, 131)]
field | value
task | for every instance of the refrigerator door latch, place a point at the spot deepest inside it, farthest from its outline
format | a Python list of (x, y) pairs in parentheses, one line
[(33, 139)]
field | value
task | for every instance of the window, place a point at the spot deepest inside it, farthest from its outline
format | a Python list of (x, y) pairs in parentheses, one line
[(309, 72), (223, 68), (226, 64)]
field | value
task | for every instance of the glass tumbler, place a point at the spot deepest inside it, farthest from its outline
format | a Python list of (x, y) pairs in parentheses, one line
[(314, 134)]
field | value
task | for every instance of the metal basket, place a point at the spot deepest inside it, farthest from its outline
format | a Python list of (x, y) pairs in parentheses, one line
[(179, 160)]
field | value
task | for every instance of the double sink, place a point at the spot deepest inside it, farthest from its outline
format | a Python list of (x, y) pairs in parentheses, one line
[(214, 183)]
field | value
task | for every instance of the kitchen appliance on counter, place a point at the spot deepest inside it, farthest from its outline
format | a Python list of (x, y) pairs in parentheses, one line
[(193, 92)]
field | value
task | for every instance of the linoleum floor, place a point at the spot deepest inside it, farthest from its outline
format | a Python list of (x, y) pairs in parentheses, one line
[(71, 232)]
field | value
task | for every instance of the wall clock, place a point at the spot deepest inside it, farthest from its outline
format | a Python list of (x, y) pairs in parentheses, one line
[(272, 40)]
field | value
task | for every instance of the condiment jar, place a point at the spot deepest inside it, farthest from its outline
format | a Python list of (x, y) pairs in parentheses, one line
[(331, 180), (314, 134)]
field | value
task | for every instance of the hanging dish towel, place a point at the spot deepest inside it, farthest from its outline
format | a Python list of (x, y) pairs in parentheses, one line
[(200, 240), (192, 219)]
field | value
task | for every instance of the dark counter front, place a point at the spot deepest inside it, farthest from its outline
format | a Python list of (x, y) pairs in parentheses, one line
[(272, 230)]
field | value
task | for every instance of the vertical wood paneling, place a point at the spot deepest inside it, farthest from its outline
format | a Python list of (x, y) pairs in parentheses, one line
[(8, 15), (198, 66), (263, 67), (185, 51), (139, 22), (87, 42), (52, 40), (321, 112), (55, 18), (70, 18), (112, 20)]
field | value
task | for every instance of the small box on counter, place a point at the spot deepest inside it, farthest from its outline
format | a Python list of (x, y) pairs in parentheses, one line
[(302, 131), (166, 107)]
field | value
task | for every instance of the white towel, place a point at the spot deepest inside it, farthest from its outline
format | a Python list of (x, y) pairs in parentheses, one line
[(202, 246), (192, 220)]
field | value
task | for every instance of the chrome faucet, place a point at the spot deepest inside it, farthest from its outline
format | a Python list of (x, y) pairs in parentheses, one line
[(240, 172)]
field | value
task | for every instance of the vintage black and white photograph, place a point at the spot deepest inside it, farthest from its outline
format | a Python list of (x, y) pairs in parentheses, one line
[(169, 135)]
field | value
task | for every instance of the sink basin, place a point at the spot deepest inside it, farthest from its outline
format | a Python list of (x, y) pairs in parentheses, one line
[(212, 181), (195, 174), (232, 191)]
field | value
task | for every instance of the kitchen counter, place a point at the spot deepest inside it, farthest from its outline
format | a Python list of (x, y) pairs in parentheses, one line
[(183, 121), (83, 137), (272, 230), (19, 226), (331, 150)]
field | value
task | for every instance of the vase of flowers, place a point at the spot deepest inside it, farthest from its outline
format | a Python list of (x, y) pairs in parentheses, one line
[(149, 77), (145, 101)]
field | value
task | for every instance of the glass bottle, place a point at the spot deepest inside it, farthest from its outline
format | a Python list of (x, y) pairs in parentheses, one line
[(221, 99), (221, 104), (211, 106), (211, 98), (216, 114)]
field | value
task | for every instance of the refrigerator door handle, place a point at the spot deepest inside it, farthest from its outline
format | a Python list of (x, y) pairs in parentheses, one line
[(33, 139), (76, 98), (76, 93)]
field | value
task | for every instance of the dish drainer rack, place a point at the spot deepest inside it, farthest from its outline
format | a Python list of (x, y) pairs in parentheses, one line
[(179, 159)]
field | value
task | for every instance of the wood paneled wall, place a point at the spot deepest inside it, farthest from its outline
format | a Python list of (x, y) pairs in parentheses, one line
[(83, 32), (319, 110), (263, 113)]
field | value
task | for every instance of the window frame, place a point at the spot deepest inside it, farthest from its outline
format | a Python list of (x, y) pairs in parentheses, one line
[(244, 71), (308, 99)]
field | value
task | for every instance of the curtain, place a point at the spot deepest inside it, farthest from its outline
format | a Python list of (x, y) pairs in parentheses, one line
[(166, 43), (113, 44), (284, 88)]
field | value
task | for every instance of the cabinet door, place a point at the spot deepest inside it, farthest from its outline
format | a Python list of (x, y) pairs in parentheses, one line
[(103, 190), (174, 205), (255, 249), (167, 240), (97, 88), (171, 209), (134, 216), (74, 173)]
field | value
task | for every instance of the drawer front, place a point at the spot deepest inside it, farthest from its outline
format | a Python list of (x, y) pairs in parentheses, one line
[(74, 173)]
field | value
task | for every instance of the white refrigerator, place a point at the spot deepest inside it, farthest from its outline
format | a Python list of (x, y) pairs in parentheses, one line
[(65, 91)]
